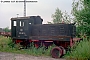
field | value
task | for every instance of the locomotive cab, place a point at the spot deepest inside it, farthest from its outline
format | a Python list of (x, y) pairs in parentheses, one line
[(21, 26)]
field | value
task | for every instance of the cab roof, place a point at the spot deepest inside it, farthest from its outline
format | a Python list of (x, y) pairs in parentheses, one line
[(21, 18)]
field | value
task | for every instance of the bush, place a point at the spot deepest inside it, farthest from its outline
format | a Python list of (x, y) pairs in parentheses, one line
[(81, 51)]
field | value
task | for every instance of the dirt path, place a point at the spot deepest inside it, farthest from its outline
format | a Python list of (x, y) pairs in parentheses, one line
[(11, 56)]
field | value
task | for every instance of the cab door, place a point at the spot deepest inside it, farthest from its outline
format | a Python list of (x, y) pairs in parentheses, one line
[(22, 29)]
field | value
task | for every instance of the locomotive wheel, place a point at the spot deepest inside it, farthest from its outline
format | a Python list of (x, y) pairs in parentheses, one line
[(63, 50), (57, 43), (47, 43), (37, 44), (56, 52)]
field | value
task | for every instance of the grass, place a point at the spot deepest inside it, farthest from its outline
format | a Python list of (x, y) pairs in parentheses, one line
[(81, 50), (6, 45)]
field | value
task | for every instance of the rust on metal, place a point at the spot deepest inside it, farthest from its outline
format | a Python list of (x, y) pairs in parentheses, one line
[(77, 39)]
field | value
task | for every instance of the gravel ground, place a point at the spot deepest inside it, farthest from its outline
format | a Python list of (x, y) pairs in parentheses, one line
[(11, 56)]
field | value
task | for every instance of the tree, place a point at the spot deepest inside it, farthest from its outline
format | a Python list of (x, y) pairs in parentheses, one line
[(66, 18), (57, 16), (60, 17), (6, 29), (81, 13)]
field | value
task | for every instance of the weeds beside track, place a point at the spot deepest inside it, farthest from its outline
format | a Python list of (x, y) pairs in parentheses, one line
[(6, 45)]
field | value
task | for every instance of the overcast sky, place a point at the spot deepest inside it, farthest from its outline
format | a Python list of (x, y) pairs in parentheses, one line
[(44, 8)]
